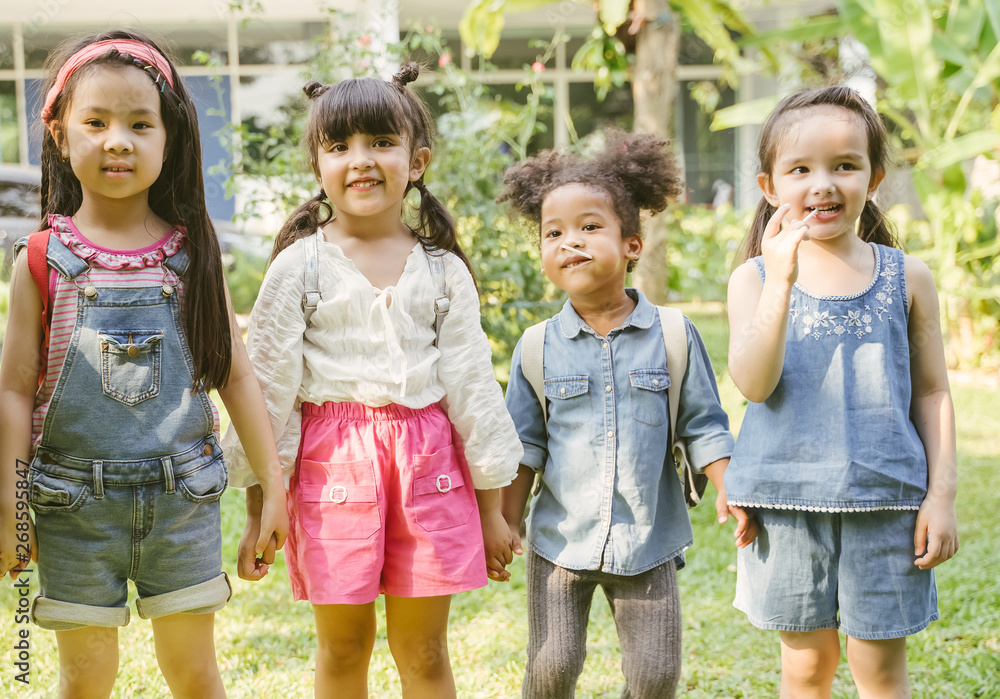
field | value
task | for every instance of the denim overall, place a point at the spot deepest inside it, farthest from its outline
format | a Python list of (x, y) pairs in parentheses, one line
[(126, 481)]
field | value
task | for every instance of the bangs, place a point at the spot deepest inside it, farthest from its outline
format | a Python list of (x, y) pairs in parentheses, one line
[(361, 105)]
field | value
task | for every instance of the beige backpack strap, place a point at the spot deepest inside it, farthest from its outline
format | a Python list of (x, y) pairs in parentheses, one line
[(675, 341), (532, 364)]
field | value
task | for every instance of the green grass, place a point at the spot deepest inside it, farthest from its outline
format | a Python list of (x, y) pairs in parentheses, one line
[(266, 641)]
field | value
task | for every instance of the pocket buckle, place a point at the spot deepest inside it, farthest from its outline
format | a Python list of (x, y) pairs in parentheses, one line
[(338, 494), (443, 483)]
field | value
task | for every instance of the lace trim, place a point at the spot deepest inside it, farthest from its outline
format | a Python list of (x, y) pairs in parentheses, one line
[(151, 256), (817, 508)]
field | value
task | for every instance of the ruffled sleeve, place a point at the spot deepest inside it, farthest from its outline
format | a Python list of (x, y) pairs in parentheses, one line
[(274, 345), (473, 397), (97, 256)]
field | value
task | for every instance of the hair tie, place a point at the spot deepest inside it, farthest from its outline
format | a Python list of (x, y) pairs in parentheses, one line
[(421, 187), (406, 74), (314, 89), (129, 47)]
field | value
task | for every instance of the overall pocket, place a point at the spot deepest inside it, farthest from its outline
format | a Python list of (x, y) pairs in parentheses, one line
[(569, 401), (647, 391), (51, 494), (338, 500), (205, 484), (130, 364), (440, 498)]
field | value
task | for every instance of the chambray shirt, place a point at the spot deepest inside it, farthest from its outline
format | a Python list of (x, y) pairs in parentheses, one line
[(610, 497)]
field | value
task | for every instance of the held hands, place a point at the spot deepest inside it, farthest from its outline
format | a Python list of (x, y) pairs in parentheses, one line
[(935, 539), (746, 524), (780, 247), (496, 535), (264, 533)]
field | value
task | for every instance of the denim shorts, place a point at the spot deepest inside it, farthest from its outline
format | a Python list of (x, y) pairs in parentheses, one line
[(828, 570), (99, 524)]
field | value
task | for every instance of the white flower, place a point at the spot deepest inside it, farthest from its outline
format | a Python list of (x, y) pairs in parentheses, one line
[(817, 334), (823, 318), (868, 329), (839, 330), (880, 296), (867, 319), (808, 320), (853, 317)]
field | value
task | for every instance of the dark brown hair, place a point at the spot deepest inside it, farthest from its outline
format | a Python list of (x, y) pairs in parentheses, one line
[(370, 106), (177, 197), (874, 227), (637, 171)]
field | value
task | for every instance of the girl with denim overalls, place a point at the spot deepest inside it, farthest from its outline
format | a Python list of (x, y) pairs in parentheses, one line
[(367, 341), (847, 450), (119, 324)]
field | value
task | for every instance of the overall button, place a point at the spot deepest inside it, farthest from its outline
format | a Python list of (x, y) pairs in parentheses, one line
[(207, 451), (133, 351)]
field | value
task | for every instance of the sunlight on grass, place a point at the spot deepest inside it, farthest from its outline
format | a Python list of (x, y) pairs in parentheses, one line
[(266, 642)]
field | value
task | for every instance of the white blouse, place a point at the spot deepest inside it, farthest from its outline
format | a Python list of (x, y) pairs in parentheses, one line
[(376, 347)]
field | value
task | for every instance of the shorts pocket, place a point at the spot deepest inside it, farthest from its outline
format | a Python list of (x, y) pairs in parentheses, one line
[(130, 364), (205, 484), (52, 494), (338, 500), (569, 401), (440, 498), (648, 393)]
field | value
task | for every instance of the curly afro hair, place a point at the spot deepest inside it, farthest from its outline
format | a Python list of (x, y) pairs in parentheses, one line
[(638, 172)]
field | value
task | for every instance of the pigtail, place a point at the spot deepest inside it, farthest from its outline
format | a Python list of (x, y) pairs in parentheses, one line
[(645, 166), (303, 222), (435, 227), (875, 227), (755, 234), (527, 183)]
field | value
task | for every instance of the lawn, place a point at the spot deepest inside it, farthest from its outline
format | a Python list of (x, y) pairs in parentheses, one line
[(266, 642)]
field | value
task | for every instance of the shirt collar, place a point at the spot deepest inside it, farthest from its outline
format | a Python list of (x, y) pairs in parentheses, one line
[(641, 317)]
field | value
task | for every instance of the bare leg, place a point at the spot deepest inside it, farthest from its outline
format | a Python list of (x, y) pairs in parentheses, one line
[(879, 668), (185, 652), (418, 639), (346, 637), (808, 663), (88, 662)]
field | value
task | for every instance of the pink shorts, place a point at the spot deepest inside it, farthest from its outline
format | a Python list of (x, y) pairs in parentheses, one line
[(381, 502)]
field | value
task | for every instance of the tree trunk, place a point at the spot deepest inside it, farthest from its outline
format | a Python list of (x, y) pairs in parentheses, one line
[(654, 86)]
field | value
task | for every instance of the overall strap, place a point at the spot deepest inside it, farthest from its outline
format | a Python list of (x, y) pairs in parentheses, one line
[(533, 363), (310, 276), (442, 304), (178, 262)]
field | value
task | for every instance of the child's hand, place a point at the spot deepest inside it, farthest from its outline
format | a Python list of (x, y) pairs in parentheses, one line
[(496, 535), (515, 538), (10, 551), (746, 524), (264, 533), (780, 248), (935, 539)]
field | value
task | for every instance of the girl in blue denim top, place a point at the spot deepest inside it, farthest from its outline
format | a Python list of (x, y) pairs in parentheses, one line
[(610, 510), (119, 324), (847, 450)]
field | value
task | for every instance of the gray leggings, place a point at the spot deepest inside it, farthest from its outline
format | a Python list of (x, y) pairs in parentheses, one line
[(647, 613)]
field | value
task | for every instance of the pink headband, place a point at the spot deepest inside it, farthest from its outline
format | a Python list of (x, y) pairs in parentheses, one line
[(136, 49)]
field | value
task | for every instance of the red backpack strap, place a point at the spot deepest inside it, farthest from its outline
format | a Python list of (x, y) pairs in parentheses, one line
[(38, 265)]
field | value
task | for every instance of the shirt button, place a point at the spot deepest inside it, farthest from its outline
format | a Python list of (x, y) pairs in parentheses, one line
[(605, 345), (607, 389), (656, 382), (611, 433), (562, 391)]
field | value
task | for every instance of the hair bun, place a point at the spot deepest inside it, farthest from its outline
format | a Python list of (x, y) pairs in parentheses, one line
[(406, 74), (314, 89)]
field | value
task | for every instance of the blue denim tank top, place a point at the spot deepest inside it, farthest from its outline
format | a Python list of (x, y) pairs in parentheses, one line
[(127, 391), (836, 434)]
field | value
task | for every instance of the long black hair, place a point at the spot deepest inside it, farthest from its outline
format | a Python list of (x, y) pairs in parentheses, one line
[(873, 226), (177, 197), (370, 106)]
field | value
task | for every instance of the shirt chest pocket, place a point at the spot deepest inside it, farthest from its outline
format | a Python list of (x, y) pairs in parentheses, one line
[(648, 395), (130, 364), (569, 401)]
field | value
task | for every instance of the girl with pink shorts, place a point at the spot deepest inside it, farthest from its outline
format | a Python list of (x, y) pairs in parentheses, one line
[(391, 428)]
